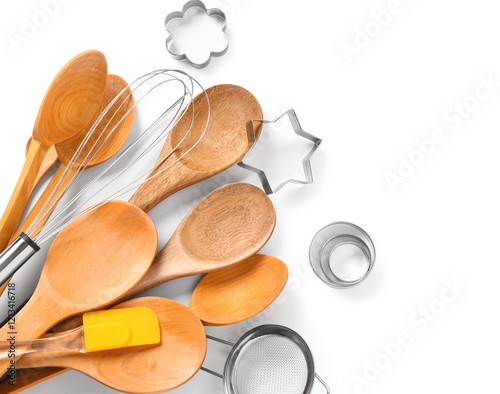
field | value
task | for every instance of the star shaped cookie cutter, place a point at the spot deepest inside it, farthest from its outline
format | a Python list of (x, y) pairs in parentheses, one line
[(306, 162), (180, 15)]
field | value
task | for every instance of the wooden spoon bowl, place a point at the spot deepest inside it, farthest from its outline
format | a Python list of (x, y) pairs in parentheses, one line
[(72, 99), (106, 137), (240, 292), (91, 264), (229, 225), (227, 139), (143, 369)]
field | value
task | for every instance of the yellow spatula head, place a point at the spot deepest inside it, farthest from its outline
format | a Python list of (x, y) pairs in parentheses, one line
[(119, 328)]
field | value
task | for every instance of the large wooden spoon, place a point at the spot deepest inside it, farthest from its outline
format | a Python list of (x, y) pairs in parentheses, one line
[(69, 105), (91, 264), (225, 297), (144, 369), (225, 228), (102, 144), (227, 139)]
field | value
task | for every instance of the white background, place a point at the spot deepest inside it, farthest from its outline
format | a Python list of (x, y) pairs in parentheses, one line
[(439, 224)]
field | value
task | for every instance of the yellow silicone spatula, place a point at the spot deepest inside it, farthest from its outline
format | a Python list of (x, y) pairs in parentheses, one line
[(101, 330)]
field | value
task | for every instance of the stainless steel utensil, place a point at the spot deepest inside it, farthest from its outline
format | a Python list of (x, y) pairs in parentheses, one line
[(269, 359)]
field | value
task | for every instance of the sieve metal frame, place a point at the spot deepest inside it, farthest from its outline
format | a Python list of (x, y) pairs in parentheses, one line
[(258, 332)]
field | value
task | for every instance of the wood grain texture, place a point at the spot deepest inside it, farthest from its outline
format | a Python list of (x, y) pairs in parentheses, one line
[(49, 161), (143, 369), (103, 143), (240, 292), (226, 227), (69, 105), (226, 141), (110, 250)]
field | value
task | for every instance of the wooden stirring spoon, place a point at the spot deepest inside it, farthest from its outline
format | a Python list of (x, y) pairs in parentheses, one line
[(226, 297), (225, 228), (226, 141), (240, 292), (144, 369), (90, 264), (69, 105)]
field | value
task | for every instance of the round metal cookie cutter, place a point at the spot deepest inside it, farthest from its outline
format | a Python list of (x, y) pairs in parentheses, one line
[(324, 256)]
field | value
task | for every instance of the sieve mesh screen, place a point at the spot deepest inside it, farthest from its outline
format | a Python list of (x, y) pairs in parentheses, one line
[(270, 364)]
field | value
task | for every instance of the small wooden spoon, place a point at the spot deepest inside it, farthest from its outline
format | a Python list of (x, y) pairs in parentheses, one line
[(143, 369), (104, 142), (90, 264), (226, 141), (226, 297), (240, 292), (49, 161), (69, 105)]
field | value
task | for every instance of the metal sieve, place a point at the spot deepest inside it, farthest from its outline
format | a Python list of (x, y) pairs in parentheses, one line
[(269, 359)]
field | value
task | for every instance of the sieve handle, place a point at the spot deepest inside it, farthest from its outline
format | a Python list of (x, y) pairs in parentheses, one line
[(220, 341), (323, 383)]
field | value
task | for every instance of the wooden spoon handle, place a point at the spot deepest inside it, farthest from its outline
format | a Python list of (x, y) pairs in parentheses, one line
[(160, 187), (22, 192), (52, 193), (49, 161), (27, 378)]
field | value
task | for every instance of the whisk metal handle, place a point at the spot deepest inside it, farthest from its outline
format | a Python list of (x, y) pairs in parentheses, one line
[(13, 258)]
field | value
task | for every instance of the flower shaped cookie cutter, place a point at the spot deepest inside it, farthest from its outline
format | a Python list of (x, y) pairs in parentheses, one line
[(212, 12), (306, 162)]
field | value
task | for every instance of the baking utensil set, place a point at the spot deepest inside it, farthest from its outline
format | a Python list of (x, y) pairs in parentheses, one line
[(103, 255)]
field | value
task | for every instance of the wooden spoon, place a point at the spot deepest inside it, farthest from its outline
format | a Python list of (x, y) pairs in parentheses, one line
[(104, 142), (91, 264), (240, 292), (225, 228), (69, 105), (143, 369), (110, 138), (227, 140), (49, 161), (226, 297)]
